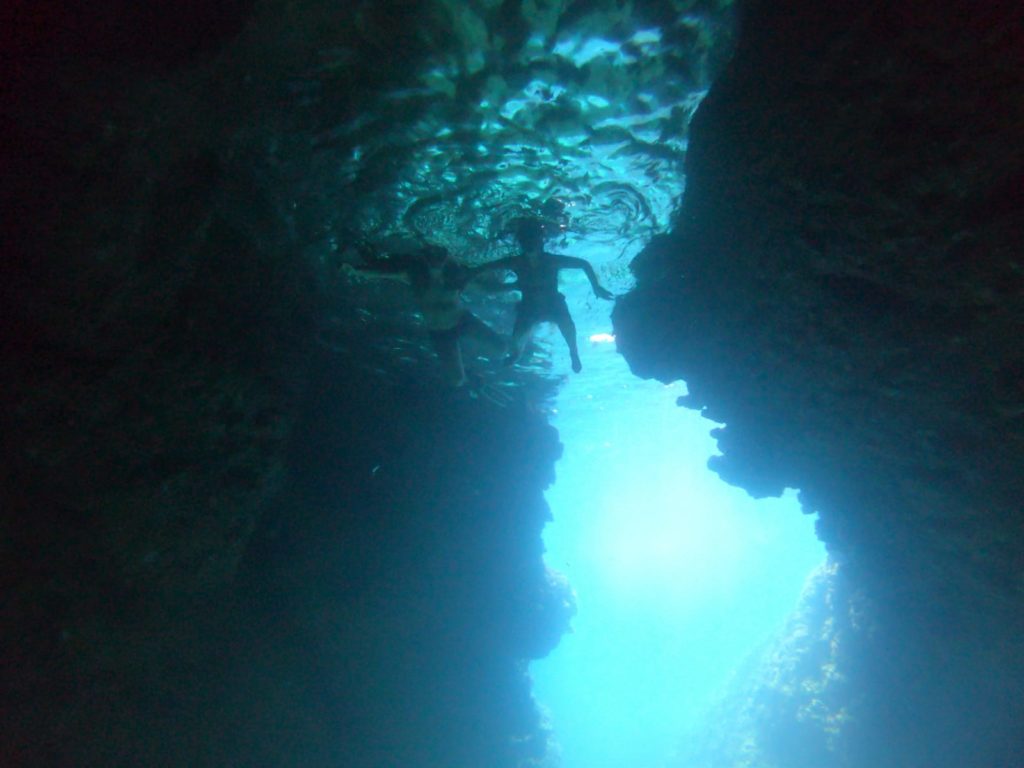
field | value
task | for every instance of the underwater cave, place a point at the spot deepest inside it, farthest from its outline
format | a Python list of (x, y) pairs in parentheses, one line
[(298, 468)]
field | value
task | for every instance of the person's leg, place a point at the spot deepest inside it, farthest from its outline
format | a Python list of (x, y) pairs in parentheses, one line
[(568, 328), (494, 341), (520, 331), (446, 344)]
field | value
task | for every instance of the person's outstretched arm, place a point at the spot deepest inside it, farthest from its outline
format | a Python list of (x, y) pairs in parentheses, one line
[(509, 262), (477, 273), (494, 283), (571, 262), (397, 266)]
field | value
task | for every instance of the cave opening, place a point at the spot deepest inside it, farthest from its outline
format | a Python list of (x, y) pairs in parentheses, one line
[(586, 124), (679, 578)]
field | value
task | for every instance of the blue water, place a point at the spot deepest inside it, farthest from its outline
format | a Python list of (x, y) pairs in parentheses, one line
[(678, 576)]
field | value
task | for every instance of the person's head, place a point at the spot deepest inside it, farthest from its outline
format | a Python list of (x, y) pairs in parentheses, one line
[(530, 234)]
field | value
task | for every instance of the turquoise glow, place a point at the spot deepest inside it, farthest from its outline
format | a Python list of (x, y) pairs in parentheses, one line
[(678, 576)]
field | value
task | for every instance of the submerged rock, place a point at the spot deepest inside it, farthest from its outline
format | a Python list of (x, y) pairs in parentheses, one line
[(843, 292), (234, 531)]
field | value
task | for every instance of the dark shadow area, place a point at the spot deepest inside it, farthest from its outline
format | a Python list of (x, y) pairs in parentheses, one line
[(396, 588)]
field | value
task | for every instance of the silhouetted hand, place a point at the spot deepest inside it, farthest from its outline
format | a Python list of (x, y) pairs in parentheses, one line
[(603, 293)]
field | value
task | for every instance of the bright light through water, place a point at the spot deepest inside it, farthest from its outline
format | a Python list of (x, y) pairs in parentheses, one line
[(678, 576)]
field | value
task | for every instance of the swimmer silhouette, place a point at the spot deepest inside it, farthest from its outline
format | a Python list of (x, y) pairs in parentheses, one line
[(537, 279), (437, 282)]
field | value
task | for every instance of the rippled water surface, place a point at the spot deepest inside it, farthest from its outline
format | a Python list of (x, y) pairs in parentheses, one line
[(586, 104)]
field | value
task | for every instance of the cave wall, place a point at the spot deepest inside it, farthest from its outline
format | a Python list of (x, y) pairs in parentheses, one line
[(400, 583), (843, 290), (223, 541)]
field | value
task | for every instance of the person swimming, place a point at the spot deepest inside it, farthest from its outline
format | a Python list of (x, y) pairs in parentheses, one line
[(537, 280), (437, 282)]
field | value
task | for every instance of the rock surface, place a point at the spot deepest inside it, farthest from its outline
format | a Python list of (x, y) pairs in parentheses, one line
[(845, 291), (231, 533)]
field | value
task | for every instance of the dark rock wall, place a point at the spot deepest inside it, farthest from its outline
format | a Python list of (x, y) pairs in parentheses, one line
[(399, 584), (845, 291), (222, 543)]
